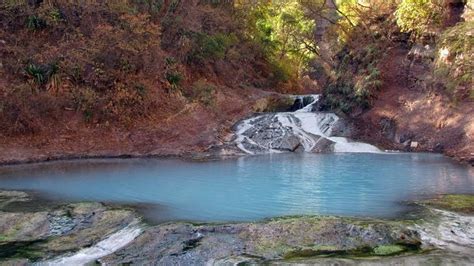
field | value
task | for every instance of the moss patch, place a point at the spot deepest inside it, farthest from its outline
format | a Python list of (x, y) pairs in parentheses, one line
[(22, 249), (322, 250), (457, 203), (389, 250), (331, 251)]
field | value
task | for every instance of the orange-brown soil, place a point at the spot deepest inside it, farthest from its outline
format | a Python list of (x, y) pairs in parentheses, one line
[(193, 128), (406, 110)]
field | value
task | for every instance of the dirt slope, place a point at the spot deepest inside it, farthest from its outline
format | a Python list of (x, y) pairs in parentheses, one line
[(407, 110)]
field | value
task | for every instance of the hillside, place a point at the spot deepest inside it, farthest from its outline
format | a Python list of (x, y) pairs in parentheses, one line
[(125, 77), (137, 78), (411, 88)]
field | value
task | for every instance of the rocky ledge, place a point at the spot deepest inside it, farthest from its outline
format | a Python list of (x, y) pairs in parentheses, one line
[(79, 233), (32, 229)]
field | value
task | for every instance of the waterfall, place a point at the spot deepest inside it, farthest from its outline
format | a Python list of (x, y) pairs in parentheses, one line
[(299, 130)]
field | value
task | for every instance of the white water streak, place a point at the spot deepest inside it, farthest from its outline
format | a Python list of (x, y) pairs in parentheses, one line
[(306, 125), (103, 248)]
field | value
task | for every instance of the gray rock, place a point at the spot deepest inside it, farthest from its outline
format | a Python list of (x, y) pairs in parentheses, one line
[(323, 145), (185, 244), (267, 133), (388, 127), (288, 142), (237, 260)]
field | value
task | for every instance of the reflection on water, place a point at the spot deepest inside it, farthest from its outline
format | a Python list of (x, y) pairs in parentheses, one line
[(250, 188)]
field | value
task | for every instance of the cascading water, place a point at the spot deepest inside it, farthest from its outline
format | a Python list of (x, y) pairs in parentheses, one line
[(300, 130)]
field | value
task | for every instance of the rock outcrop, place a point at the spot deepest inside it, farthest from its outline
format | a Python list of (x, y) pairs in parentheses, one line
[(303, 129), (83, 233)]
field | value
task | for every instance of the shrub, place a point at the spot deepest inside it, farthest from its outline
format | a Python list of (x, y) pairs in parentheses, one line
[(37, 73), (170, 61), (35, 23), (141, 89), (173, 6), (172, 73), (21, 111), (419, 16), (454, 60), (55, 15), (212, 47), (357, 79), (174, 78), (41, 74), (280, 73)]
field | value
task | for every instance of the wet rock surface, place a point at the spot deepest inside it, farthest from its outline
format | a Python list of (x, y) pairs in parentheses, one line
[(432, 258), (72, 231), (281, 132), (302, 129), (186, 244), (59, 229)]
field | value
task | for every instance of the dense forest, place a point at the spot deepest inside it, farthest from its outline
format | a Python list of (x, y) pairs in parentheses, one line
[(78, 69)]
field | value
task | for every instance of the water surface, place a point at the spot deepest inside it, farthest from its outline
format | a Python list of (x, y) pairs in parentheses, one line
[(250, 188)]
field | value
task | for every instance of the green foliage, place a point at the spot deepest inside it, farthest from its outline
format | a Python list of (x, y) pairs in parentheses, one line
[(284, 31), (37, 73), (350, 10), (389, 250), (35, 23), (212, 47), (169, 61), (41, 74), (172, 73), (174, 78), (453, 202), (357, 82), (280, 72), (454, 60), (174, 5), (141, 89), (366, 86), (55, 15), (419, 16), (351, 16)]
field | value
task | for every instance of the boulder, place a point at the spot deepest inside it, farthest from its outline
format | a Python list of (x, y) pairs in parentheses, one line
[(388, 128), (323, 145), (288, 143)]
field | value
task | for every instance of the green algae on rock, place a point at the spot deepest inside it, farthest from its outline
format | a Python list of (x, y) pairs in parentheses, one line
[(385, 250), (276, 239), (315, 239), (54, 230), (453, 202)]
